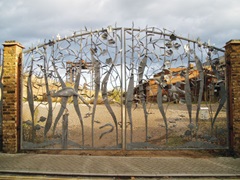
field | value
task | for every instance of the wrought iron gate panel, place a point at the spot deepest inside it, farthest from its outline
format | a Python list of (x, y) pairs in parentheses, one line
[(171, 84), (124, 88), (71, 85)]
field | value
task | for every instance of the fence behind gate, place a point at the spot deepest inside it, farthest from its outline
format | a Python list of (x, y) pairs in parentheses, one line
[(124, 88)]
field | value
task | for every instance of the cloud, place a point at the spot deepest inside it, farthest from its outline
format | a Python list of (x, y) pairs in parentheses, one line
[(28, 21)]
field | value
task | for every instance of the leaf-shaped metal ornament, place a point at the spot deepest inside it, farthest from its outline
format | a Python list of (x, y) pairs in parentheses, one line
[(60, 113), (30, 99), (109, 29), (173, 37), (111, 41), (104, 36), (58, 75), (223, 92), (176, 45), (169, 52), (201, 88), (58, 94), (109, 61), (187, 49), (223, 96), (97, 66), (188, 95), (106, 101), (169, 44), (48, 123), (161, 109), (75, 101), (141, 70), (129, 102)]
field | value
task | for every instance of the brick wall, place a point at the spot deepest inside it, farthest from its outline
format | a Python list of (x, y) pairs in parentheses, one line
[(232, 56), (1, 100), (11, 96)]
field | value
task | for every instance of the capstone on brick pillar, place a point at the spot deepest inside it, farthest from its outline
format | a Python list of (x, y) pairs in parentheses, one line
[(232, 56), (11, 96)]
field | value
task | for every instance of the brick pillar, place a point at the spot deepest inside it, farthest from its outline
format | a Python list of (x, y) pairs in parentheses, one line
[(1, 88), (11, 96), (232, 56)]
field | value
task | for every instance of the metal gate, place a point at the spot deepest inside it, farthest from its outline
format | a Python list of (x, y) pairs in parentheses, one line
[(124, 88)]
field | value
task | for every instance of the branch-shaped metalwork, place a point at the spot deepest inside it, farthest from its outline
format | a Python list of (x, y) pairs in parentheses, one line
[(129, 102), (141, 69), (161, 108), (108, 131), (97, 66), (149, 53), (48, 123), (30, 98), (106, 101), (201, 88), (187, 88), (223, 93), (62, 93), (75, 102)]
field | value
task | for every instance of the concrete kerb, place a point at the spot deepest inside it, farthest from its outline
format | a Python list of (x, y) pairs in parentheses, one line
[(107, 166)]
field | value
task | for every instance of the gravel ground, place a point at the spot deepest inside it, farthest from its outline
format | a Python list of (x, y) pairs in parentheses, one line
[(177, 121)]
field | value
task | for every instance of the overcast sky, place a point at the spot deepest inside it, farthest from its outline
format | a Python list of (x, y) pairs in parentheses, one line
[(31, 21)]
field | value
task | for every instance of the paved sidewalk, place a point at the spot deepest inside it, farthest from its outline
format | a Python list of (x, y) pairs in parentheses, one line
[(116, 166)]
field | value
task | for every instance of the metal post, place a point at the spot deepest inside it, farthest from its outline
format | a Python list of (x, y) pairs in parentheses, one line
[(65, 130), (123, 75)]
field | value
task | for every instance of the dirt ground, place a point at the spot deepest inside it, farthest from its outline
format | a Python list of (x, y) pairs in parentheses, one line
[(106, 144)]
